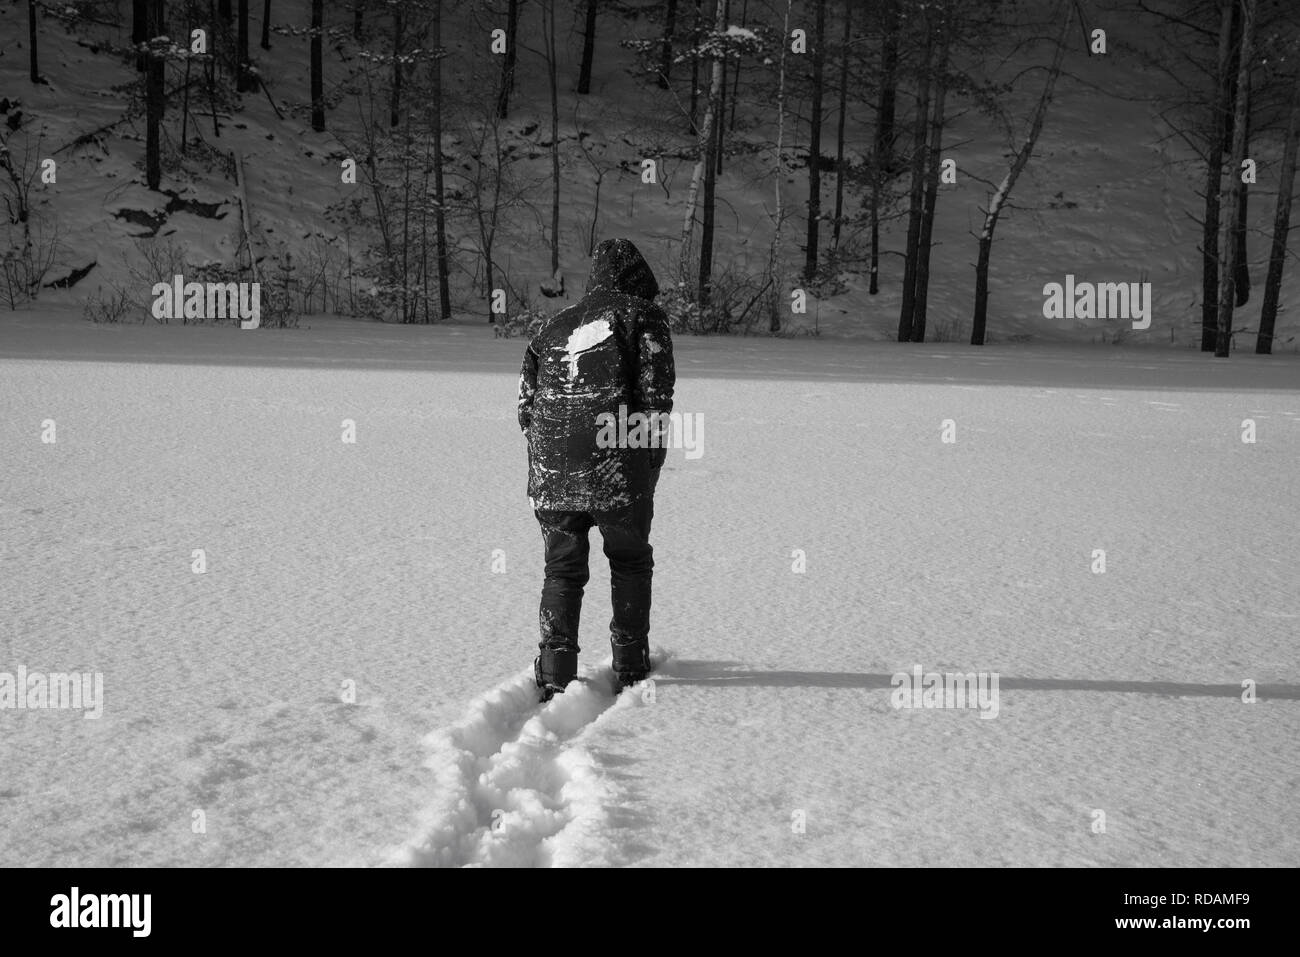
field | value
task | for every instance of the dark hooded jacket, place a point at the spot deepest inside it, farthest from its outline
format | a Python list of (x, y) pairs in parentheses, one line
[(603, 359)]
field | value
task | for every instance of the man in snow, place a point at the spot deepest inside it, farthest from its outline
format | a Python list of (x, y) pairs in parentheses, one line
[(587, 374)]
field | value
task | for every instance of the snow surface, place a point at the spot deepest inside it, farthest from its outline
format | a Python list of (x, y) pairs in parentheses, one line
[(373, 563)]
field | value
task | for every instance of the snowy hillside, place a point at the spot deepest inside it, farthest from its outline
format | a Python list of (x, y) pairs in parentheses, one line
[(1109, 196)]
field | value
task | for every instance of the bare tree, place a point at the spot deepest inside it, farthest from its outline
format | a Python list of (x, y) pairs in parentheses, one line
[(930, 194), (31, 35), (916, 193), (154, 99), (1018, 163), (815, 143), (588, 49), (774, 257), (243, 78), (509, 60), (317, 67), (839, 131), (1281, 226), (395, 99), (666, 57), (548, 16), (140, 31), (1228, 276), (439, 192), (1214, 182), (888, 94), (704, 144)]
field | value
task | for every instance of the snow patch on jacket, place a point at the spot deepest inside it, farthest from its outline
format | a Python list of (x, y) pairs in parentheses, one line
[(584, 338)]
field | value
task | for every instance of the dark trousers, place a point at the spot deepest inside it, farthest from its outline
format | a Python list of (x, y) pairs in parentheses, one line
[(626, 533)]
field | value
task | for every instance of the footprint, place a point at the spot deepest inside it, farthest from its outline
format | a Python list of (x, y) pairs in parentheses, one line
[(515, 787)]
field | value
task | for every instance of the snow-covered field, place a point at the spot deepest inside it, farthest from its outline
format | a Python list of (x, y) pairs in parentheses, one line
[(329, 563)]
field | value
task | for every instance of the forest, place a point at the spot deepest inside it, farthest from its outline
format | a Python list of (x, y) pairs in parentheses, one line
[(456, 161)]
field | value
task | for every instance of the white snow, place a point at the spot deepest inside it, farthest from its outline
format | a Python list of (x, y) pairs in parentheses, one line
[(584, 338), (372, 563)]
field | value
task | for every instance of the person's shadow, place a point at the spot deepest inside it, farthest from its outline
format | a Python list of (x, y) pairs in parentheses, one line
[(734, 674)]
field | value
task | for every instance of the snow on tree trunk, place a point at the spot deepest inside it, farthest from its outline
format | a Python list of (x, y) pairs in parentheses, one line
[(706, 131)]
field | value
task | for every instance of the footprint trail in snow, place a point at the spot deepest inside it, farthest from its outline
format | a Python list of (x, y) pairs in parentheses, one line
[(514, 785)]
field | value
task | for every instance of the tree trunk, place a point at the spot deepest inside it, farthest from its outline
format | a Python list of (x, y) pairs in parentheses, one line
[(706, 133), (408, 311), (154, 94), (266, 24), (735, 74), (931, 185), (243, 81), (549, 12), (508, 60), (1281, 227), (224, 9), (706, 228), (31, 34), (140, 31), (884, 145), (839, 131), (1227, 279), (439, 195), (722, 101), (211, 78), (588, 50), (916, 194), (666, 56), (1018, 164), (1214, 185), (358, 11), (317, 68), (694, 128), (815, 145), (876, 176), (395, 100), (185, 97), (1242, 278), (774, 257)]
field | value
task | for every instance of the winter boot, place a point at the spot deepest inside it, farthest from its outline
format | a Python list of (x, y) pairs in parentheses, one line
[(631, 660), (553, 669)]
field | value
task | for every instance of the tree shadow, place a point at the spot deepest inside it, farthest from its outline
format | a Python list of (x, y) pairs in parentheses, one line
[(733, 674)]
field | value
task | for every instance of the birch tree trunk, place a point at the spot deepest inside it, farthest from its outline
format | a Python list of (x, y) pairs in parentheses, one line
[(1008, 183), (706, 131)]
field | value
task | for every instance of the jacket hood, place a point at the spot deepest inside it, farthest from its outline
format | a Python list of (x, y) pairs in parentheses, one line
[(618, 266)]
